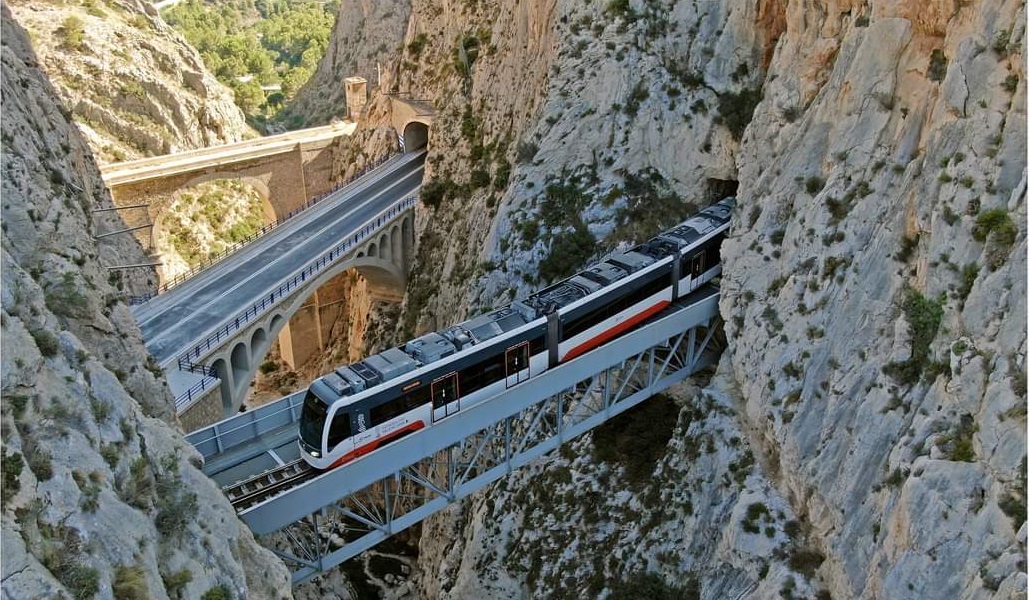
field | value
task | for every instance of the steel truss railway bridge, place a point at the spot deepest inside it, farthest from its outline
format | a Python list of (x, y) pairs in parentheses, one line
[(316, 520)]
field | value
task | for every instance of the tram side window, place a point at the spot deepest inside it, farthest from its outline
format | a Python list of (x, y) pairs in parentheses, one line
[(659, 282), (400, 405), (537, 345), (340, 429), (714, 251), (387, 410), (477, 376)]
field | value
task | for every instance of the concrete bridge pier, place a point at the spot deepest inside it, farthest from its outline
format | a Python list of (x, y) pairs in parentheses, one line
[(309, 330), (303, 323)]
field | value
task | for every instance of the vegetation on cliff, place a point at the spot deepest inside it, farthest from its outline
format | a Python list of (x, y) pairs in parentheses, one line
[(252, 47)]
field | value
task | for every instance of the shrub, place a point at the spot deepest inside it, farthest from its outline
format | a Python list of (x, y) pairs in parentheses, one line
[(175, 583), (937, 65), (638, 94), (435, 192), (619, 8), (924, 316), (416, 45), (736, 110), (1010, 83), (66, 299), (908, 245), (1000, 45), (220, 592), (130, 583), (176, 508), (806, 561), (268, 366), (47, 342), (650, 586), (637, 438), (503, 174), (569, 250), (996, 228), (12, 466), (526, 151), (479, 178), (969, 273), (814, 184), (72, 32), (995, 220)]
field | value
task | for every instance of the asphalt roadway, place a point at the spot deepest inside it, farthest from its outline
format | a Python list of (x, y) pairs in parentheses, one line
[(177, 320)]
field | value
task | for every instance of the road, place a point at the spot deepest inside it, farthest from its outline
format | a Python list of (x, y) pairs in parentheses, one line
[(175, 321), (193, 160)]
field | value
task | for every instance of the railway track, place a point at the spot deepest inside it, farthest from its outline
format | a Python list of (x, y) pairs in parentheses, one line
[(248, 492)]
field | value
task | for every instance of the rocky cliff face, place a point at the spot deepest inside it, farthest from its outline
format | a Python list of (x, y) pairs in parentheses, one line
[(101, 495), (367, 34), (875, 292), (133, 85), (865, 434)]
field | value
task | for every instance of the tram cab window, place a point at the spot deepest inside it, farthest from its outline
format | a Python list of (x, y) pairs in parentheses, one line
[(340, 429)]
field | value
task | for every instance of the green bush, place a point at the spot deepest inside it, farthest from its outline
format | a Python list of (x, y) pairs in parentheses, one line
[(637, 438), (526, 151), (996, 221), (436, 191), (806, 561), (737, 109), (479, 178), (924, 316), (12, 466), (568, 251), (175, 583), (72, 32), (650, 586), (996, 228), (220, 592), (47, 342), (937, 65), (619, 8), (130, 583)]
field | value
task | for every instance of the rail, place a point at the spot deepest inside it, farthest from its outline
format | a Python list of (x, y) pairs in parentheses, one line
[(244, 494), (213, 259), (185, 360)]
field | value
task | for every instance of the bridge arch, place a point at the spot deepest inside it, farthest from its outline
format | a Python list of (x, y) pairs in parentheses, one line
[(237, 370), (239, 361), (416, 135), (383, 270)]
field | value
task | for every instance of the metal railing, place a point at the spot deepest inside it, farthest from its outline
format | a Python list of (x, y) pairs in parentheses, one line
[(213, 259), (225, 436), (186, 360), (195, 392)]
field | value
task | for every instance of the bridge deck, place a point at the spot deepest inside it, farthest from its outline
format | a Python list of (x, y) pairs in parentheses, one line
[(624, 372)]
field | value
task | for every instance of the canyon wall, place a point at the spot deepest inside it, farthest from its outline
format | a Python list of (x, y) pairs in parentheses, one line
[(101, 495), (864, 436)]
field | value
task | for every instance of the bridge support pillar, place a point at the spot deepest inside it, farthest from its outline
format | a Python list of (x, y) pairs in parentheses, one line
[(287, 188)]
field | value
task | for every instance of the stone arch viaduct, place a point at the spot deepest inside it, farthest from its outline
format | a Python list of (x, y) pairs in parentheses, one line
[(381, 259), (288, 169)]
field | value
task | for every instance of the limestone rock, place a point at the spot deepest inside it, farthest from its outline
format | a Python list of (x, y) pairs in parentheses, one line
[(134, 86), (867, 140), (98, 481)]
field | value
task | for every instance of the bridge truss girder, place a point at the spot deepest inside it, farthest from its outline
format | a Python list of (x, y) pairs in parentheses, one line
[(364, 517)]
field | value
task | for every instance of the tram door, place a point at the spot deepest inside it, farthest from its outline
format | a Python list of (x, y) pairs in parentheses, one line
[(516, 364), (696, 270), (445, 400)]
